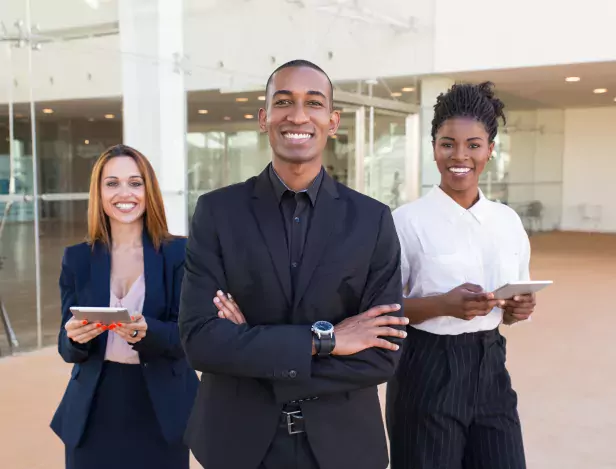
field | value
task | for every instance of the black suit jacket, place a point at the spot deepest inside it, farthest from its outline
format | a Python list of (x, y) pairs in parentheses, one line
[(172, 384), (350, 263)]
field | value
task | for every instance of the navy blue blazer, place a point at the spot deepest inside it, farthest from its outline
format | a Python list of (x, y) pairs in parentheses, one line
[(171, 382)]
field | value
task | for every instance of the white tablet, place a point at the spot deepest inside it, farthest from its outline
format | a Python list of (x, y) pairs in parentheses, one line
[(511, 289), (101, 314)]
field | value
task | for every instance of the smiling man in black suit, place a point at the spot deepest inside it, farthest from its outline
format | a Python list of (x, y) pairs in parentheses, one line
[(290, 375)]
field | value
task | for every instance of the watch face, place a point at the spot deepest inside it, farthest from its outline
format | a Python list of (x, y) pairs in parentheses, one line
[(323, 326)]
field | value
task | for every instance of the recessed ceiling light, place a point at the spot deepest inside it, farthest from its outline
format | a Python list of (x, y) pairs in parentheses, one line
[(241, 100), (408, 89), (599, 90), (261, 98), (615, 100), (396, 95), (202, 111), (87, 142), (47, 111), (227, 118), (91, 119), (572, 79), (248, 116), (109, 116)]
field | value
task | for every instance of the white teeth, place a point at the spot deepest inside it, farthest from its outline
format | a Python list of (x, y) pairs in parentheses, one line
[(296, 136), (460, 170), (125, 206)]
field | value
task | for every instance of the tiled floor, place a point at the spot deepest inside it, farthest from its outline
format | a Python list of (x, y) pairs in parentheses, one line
[(562, 366)]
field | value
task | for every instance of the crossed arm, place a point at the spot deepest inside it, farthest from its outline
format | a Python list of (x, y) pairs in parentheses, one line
[(217, 345)]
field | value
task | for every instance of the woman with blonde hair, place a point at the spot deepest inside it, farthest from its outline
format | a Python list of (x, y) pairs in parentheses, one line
[(131, 388)]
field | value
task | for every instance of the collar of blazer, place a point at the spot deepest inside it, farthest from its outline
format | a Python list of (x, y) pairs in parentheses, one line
[(328, 214), (153, 271)]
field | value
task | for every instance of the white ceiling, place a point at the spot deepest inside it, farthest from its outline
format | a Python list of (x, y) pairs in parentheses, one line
[(531, 88), (525, 88)]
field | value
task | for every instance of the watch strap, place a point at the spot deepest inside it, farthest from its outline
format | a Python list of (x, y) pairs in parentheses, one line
[(325, 345)]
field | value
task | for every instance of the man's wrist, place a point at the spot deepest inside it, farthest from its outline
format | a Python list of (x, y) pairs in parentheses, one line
[(314, 346)]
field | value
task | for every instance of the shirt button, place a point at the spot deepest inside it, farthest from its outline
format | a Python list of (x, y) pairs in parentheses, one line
[(292, 374), (296, 219), (294, 265)]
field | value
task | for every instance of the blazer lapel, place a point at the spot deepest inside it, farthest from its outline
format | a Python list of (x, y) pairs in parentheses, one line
[(100, 283), (267, 214), (328, 213), (153, 271)]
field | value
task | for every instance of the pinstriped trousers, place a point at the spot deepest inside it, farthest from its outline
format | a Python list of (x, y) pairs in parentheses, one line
[(451, 405)]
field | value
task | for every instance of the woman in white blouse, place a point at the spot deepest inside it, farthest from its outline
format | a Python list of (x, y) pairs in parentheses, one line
[(451, 404)]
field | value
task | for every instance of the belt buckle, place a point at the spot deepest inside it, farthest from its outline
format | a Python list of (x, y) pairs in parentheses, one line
[(292, 419)]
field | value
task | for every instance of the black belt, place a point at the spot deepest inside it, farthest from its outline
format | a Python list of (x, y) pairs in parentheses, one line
[(293, 421), (292, 417)]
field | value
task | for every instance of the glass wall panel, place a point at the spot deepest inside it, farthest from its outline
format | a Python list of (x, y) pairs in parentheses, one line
[(385, 162), (17, 275), (67, 227)]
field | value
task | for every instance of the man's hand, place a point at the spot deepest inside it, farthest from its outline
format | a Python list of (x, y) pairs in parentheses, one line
[(228, 308), (519, 308), (365, 330), (353, 335), (468, 301)]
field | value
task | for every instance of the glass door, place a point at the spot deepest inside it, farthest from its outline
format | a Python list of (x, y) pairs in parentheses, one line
[(20, 300), (381, 148), (47, 149)]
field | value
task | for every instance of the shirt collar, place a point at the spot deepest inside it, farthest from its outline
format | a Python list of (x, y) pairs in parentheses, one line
[(453, 210), (280, 187)]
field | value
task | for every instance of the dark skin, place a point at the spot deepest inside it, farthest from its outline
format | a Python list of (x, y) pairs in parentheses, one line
[(298, 119), (462, 149), (299, 101)]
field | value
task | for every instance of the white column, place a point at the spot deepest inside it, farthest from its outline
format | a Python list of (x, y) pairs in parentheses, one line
[(151, 41), (431, 87)]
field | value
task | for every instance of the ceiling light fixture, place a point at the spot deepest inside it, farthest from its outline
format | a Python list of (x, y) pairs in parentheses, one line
[(47, 111), (87, 142), (572, 79), (249, 116), (227, 118), (241, 100), (408, 89), (109, 116), (202, 111), (261, 98), (396, 95), (600, 90)]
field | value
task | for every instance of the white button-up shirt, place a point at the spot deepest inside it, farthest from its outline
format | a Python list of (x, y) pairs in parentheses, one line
[(444, 245)]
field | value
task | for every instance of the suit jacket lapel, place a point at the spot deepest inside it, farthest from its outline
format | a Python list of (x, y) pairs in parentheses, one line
[(267, 213), (153, 271), (328, 213), (100, 283)]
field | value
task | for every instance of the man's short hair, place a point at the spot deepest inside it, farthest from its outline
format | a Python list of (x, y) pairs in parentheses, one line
[(297, 64)]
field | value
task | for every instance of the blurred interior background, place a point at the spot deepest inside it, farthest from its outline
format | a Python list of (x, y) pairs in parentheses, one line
[(182, 81)]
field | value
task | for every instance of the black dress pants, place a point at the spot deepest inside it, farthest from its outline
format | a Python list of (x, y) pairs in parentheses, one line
[(289, 451), (451, 405)]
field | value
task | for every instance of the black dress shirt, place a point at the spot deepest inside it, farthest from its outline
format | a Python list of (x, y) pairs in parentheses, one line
[(296, 209)]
